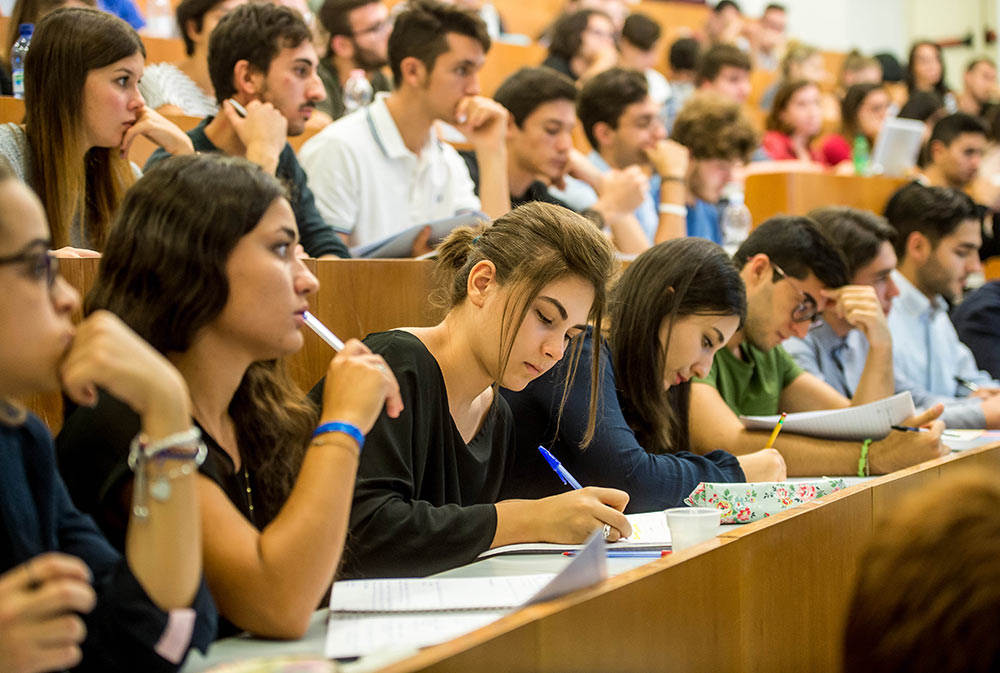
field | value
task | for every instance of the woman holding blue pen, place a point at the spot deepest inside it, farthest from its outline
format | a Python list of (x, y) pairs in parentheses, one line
[(428, 490), (673, 308), (202, 263)]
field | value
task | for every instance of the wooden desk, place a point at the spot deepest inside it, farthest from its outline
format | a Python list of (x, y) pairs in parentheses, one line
[(356, 297), (163, 49), (11, 110), (771, 194), (769, 596)]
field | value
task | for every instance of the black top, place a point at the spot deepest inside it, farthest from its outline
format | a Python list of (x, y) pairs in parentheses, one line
[(537, 191), (977, 321), (93, 448), (614, 458), (423, 499), (317, 237), (559, 64), (37, 516)]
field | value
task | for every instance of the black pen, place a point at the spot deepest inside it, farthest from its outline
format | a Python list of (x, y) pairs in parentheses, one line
[(907, 428), (965, 383)]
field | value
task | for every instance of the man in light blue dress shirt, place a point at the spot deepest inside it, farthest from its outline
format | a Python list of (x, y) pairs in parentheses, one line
[(938, 247), (837, 352)]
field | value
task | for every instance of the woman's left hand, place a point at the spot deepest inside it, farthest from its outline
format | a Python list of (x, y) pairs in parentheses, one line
[(160, 131)]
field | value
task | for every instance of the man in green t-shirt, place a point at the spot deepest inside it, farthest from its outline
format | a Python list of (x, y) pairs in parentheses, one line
[(792, 272)]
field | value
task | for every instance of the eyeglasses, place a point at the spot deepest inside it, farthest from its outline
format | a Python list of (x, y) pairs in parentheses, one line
[(41, 264), (806, 310), (383, 26)]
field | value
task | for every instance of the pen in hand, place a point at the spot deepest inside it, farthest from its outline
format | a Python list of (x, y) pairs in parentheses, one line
[(323, 332), (557, 467)]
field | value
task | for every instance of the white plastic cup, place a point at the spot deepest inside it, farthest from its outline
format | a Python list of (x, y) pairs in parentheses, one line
[(691, 525)]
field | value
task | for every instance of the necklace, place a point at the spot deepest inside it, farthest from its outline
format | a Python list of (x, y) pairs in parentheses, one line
[(246, 479)]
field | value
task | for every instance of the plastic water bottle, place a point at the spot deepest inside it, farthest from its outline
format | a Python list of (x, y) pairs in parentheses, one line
[(860, 156), (17, 55), (159, 18), (358, 91), (736, 222)]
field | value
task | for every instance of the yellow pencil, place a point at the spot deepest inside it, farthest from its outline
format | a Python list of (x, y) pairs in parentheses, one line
[(777, 429)]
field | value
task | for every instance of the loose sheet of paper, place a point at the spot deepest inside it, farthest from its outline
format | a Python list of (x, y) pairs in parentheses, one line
[(872, 420), (435, 594), (354, 635)]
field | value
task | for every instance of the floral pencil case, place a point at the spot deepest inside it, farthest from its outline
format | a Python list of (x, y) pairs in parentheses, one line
[(746, 502)]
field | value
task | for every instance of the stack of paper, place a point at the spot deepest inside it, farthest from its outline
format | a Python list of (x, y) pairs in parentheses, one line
[(373, 615)]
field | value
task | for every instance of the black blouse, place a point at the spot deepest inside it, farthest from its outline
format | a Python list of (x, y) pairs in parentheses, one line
[(424, 498)]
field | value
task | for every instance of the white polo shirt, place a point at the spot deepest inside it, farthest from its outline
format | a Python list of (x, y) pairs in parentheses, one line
[(368, 185)]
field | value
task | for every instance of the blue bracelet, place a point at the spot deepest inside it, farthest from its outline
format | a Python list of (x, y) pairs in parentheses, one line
[(346, 428)]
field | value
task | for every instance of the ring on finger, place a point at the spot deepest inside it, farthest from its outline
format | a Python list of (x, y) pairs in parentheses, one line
[(607, 531)]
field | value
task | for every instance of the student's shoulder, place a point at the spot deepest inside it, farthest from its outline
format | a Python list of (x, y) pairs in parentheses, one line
[(403, 349)]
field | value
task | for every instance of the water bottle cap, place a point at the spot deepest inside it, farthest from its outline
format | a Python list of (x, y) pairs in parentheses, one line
[(26, 29)]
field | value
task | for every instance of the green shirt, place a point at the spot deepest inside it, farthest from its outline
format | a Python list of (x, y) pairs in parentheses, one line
[(752, 386)]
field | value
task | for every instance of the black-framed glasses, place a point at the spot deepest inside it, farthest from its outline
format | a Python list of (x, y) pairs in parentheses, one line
[(807, 309), (40, 262)]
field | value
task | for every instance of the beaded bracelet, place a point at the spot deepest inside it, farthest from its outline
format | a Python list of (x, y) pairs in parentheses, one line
[(141, 452), (863, 468), (346, 428)]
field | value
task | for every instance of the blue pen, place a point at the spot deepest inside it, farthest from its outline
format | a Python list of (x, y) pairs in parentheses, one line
[(557, 467)]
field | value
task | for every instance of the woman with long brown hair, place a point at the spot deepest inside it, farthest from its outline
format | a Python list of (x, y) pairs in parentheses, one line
[(674, 307), (82, 113), (202, 263), (428, 490)]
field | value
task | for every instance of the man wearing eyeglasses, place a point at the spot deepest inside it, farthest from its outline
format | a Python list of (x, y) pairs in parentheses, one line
[(359, 40), (793, 272)]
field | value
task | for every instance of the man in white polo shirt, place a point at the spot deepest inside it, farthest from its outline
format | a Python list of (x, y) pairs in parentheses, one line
[(382, 169)]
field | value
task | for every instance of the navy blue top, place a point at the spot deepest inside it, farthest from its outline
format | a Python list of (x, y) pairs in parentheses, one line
[(977, 321), (614, 458), (37, 516)]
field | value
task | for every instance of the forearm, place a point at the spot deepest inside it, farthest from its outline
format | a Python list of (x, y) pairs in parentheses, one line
[(300, 549), (804, 456), (517, 522), (494, 189), (877, 380), (264, 156), (164, 550), (672, 224), (626, 233)]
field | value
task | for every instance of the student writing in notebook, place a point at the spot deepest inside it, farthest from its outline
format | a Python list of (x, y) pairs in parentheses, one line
[(674, 307), (202, 263), (428, 490), (792, 273), (65, 593)]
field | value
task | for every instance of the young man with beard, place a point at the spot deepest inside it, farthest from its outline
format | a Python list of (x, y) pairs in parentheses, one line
[(938, 239), (792, 273), (359, 40), (384, 170), (837, 351), (261, 57)]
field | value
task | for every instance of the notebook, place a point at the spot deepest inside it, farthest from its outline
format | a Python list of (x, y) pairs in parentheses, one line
[(649, 533), (375, 615), (873, 420)]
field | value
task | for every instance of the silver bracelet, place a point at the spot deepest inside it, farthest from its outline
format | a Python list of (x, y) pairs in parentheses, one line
[(160, 489), (673, 209)]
